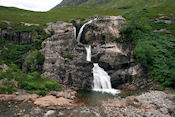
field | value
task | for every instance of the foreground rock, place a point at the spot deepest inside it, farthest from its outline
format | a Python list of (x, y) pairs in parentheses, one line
[(150, 104), (4, 97), (52, 102)]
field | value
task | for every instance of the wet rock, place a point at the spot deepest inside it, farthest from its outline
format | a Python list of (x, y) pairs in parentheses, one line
[(50, 113), (128, 87), (4, 97)]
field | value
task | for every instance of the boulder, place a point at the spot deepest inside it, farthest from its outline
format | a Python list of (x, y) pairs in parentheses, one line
[(4, 97), (52, 102)]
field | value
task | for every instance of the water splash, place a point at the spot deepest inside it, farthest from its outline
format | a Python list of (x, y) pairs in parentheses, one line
[(102, 81)]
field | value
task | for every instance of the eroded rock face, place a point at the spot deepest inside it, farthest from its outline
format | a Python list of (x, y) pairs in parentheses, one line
[(65, 59), (17, 37)]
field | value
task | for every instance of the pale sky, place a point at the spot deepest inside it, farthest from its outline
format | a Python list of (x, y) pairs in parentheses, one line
[(34, 5)]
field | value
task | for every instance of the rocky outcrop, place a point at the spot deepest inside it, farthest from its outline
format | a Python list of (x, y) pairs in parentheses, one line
[(65, 59), (150, 104), (17, 37), (101, 31)]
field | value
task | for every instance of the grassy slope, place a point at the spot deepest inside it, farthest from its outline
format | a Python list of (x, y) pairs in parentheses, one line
[(116, 7)]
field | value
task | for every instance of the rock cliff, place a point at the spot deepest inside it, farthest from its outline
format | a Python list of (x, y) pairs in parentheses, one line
[(65, 58), (17, 37)]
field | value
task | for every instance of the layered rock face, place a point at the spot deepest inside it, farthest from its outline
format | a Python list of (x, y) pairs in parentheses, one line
[(65, 59), (115, 57), (17, 37)]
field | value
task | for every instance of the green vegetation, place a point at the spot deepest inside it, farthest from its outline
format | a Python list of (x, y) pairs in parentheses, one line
[(156, 51), (12, 53), (7, 87), (69, 56), (35, 61), (90, 8), (33, 83)]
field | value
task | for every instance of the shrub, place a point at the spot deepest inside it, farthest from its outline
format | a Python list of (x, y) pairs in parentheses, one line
[(154, 51), (69, 56), (14, 53), (7, 87), (34, 61)]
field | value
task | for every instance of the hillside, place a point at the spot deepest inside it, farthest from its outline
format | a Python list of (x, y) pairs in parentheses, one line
[(120, 4), (115, 7), (82, 3)]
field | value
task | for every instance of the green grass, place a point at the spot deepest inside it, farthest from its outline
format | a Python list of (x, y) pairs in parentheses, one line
[(85, 11)]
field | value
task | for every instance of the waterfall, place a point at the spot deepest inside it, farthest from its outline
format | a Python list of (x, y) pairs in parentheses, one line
[(82, 28), (75, 32), (88, 50), (102, 81)]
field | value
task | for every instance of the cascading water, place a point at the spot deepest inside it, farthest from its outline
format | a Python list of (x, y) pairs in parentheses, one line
[(102, 81), (75, 32), (88, 50), (81, 29)]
